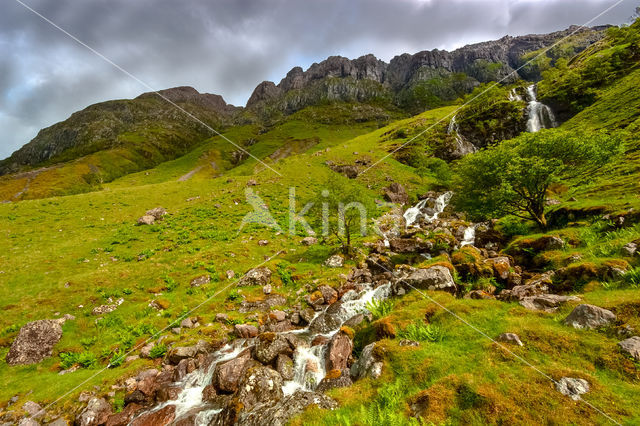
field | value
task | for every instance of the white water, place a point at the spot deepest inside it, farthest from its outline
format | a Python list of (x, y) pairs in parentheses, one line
[(514, 96), (540, 115), (412, 214), (469, 237)]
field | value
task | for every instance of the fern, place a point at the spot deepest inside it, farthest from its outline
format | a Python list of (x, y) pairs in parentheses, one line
[(421, 332), (379, 308)]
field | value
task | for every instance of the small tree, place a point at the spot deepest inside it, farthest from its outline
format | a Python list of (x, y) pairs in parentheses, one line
[(513, 177), (342, 211)]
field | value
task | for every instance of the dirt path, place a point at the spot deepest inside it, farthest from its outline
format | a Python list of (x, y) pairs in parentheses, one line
[(189, 175)]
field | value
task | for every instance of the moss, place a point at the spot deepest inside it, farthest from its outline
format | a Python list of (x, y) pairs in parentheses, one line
[(385, 328), (348, 331), (333, 374)]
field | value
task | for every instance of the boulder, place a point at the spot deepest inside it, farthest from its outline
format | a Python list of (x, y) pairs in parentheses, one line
[(163, 416), (396, 193), (329, 320), (95, 413), (201, 280), (259, 384), (146, 220), (410, 245), (257, 276), (546, 302), (335, 261), (589, 316), (338, 351), (631, 346), (33, 409), (227, 375), (572, 388), (270, 345), (179, 353), (157, 213), (510, 338), (34, 342), (329, 295), (245, 331), (368, 365), (284, 366), (309, 241), (501, 267), (335, 379), (433, 278)]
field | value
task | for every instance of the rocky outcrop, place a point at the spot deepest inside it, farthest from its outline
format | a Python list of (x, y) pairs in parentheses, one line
[(338, 351), (433, 278), (589, 317), (95, 413), (279, 413), (631, 346), (35, 342), (227, 375), (257, 276)]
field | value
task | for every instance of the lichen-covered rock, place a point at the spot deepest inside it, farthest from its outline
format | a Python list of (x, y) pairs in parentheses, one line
[(35, 342), (589, 316), (227, 375), (245, 331), (433, 278), (396, 193), (572, 388), (269, 345), (259, 384), (95, 413), (329, 320), (256, 276), (335, 379), (546, 302), (334, 261), (631, 346), (284, 366), (338, 351), (279, 412)]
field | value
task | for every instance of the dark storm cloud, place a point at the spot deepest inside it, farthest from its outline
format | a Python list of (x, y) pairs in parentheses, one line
[(229, 46)]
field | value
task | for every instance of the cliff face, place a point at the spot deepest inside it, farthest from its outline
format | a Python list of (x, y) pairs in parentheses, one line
[(480, 63)]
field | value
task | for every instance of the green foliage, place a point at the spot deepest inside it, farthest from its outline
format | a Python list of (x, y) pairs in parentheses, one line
[(380, 307), (171, 284), (512, 226), (284, 272), (158, 351), (513, 177), (118, 357), (421, 332), (83, 359), (234, 295)]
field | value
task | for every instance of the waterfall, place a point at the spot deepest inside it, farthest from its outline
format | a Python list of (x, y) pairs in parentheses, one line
[(412, 214), (469, 237), (463, 147), (514, 95), (540, 115)]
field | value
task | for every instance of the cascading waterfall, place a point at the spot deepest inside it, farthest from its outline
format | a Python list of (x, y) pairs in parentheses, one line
[(469, 237), (412, 214), (514, 95), (464, 147), (540, 115)]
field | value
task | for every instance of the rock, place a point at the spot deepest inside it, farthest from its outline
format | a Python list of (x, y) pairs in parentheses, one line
[(279, 412), (396, 193), (230, 274), (284, 366), (186, 323), (479, 295), (227, 375), (259, 384), (407, 245), (335, 261), (270, 345), (572, 388), (257, 276), (589, 316), (631, 346), (546, 302), (368, 365), (179, 353), (157, 213), (407, 342), (26, 422), (329, 320), (263, 242), (309, 241), (105, 309), (163, 416), (277, 316), (124, 417), (307, 315), (629, 249), (59, 422), (433, 278), (510, 338), (335, 379), (338, 351), (146, 220), (319, 340), (245, 331), (252, 182), (329, 295), (348, 170), (34, 342), (267, 289), (222, 317), (33, 409), (201, 280), (501, 267), (552, 242), (95, 413)]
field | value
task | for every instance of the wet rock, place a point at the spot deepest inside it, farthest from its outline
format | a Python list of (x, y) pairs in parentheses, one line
[(319, 340), (396, 193), (309, 241), (245, 331), (546, 302), (329, 295), (329, 320), (34, 342), (257, 276), (589, 317), (284, 366), (335, 261), (335, 379), (510, 338), (259, 384), (95, 413), (163, 416), (307, 315), (227, 375), (368, 365), (270, 345), (631, 346), (433, 278), (338, 351), (201, 280), (572, 388), (124, 417)]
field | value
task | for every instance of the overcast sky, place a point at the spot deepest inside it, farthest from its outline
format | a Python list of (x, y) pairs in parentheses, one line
[(229, 46)]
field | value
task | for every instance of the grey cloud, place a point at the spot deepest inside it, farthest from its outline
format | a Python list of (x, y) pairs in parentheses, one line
[(229, 46)]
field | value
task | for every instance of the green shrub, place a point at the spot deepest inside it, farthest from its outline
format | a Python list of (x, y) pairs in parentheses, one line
[(83, 359), (285, 274), (380, 307), (421, 332), (117, 359), (158, 351)]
